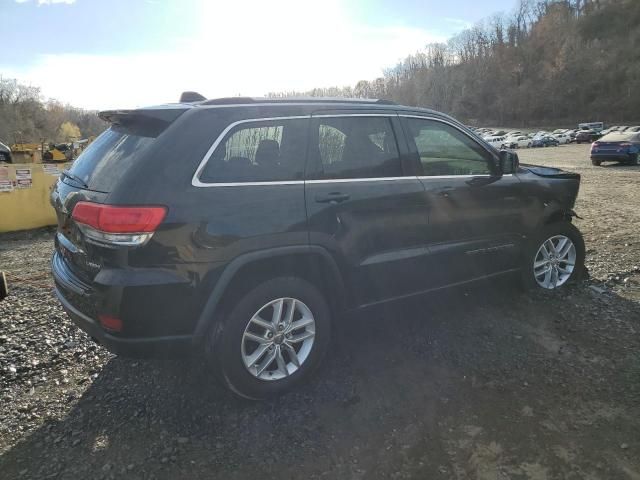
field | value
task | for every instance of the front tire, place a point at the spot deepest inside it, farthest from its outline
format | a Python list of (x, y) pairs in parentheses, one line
[(554, 257), (273, 338), (596, 162)]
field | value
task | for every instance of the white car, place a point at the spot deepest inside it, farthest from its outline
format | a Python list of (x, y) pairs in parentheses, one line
[(496, 141), (562, 138), (522, 141)]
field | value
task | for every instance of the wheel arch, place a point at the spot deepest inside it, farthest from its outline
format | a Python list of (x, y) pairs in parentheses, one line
[(311, 262)]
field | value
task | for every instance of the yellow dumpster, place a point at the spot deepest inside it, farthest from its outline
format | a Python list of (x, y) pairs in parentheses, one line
[(24, 195)]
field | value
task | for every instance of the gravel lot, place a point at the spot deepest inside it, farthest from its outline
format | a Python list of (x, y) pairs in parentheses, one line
[(480, 383)]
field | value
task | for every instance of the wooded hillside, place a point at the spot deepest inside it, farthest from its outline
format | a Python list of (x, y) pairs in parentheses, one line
[(547, 63), (25, 116)]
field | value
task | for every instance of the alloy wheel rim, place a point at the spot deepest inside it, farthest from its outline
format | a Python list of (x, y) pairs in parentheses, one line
[(278, 339), (554, 262)]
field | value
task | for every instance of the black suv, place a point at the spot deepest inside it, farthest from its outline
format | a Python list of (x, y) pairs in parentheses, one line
[(242, 228)]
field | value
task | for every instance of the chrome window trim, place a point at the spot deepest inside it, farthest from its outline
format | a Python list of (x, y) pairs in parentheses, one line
[(196, 182), (473, 138)]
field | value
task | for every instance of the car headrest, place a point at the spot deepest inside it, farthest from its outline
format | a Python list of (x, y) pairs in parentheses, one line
[(268, 152)]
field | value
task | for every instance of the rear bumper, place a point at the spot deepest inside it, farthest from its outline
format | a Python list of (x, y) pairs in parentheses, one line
[(156, 347), (611, 156), (78, 298)]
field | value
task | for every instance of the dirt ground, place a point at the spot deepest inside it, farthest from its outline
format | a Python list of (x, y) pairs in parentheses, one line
[(479, 383)]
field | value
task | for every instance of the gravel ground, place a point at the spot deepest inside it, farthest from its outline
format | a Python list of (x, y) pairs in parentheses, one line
[(480, 383)]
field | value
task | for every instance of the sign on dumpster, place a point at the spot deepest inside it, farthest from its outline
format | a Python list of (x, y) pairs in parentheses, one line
[(23, 174), (23, 178), (6, 186), (23, 183), (50, 169)]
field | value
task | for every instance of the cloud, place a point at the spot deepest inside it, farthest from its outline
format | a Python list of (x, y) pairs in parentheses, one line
[(231, 52)]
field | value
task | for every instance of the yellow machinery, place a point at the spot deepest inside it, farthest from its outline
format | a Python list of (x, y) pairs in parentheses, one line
[(33, 152), (26, 153)]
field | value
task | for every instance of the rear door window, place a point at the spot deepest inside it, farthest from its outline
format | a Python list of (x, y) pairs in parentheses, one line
[(260, 151), (354, 147)]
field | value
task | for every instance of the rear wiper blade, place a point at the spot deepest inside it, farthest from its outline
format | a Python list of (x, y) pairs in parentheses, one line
[(75, 178)]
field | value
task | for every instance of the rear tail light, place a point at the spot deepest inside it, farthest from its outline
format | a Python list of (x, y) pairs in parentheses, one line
[(117, 226), (110, 323)]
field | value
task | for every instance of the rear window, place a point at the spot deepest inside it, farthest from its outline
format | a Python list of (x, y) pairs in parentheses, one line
[(620, 137), (107, 159)]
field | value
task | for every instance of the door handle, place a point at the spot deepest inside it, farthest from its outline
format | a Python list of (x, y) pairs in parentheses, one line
[(333, 197)]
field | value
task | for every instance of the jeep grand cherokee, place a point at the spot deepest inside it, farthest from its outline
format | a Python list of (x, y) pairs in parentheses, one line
[(241, 228)]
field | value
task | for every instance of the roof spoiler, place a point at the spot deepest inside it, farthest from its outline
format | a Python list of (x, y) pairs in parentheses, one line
[(188, 97), (144, 121)]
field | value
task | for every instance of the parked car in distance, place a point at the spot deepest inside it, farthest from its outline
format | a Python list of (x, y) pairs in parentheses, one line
[(597, 126), (545, 141), (616, 146), (587, 136), (496, 141), (5, 153), (522, 141), (284, 213), (562, 138)]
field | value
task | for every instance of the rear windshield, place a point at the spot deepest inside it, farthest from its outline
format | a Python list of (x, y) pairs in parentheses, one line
[(620, 137), (107, 159)]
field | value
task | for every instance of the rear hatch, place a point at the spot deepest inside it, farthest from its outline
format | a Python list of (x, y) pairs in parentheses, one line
[(94, 175)]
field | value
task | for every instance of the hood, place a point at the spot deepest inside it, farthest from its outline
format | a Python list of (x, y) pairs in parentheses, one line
[(549, 171)]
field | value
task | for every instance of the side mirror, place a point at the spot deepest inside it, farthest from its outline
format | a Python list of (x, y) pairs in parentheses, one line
[(508, 161)]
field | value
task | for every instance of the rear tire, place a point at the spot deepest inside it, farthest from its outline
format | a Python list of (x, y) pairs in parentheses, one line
[(534, 276), (234, 354), (633, 160)]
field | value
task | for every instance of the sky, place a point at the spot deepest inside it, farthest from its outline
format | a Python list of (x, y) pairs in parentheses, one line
[(100, 54)]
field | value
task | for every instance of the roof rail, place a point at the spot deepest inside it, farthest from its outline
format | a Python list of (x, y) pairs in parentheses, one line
[(245, 100), (229, 101)]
